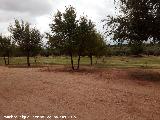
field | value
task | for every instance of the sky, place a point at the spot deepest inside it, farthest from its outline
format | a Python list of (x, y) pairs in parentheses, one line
[(40, 12)]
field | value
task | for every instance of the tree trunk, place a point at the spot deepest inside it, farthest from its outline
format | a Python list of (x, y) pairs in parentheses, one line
[(91, 60), (79, 58), (5, 60), (8, 59), (35, 60), (72, 62), (28, 63)]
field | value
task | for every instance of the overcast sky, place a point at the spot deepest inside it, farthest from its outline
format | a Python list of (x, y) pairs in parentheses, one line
[(39, 12)]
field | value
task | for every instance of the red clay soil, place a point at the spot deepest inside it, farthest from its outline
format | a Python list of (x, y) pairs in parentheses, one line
[(88, 94)]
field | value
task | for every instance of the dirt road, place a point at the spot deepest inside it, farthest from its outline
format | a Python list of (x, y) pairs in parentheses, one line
[(106, 94)]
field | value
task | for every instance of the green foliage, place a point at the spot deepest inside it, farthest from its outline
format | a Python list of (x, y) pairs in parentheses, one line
[(82, 35), (90, 42), (28, 39), (64, 27)]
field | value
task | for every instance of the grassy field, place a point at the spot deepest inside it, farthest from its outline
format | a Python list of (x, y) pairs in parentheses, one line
[(114, 62)]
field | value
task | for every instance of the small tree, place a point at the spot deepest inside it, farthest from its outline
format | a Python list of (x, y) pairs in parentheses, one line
[(64, 28), (83, 32), (6, 48), (91, 43), (29, 39), (101, 47)]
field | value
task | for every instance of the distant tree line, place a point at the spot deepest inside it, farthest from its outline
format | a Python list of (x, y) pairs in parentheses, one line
[(125, 50)]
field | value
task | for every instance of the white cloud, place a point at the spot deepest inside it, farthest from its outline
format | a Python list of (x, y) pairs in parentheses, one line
[(39, 12), (35, 7)]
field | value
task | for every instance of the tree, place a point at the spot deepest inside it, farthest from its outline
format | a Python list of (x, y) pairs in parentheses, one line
[(6, 48), (92, 41), (133, 23), (101, 47), (64, 30), (96, 46), (71, 36), (29, 39), (83, 35)]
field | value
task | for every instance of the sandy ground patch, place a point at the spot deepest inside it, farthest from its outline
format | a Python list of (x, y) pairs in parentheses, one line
[(89, 94)]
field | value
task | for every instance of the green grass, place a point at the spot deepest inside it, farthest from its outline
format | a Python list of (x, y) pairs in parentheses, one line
[(113, 62)]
